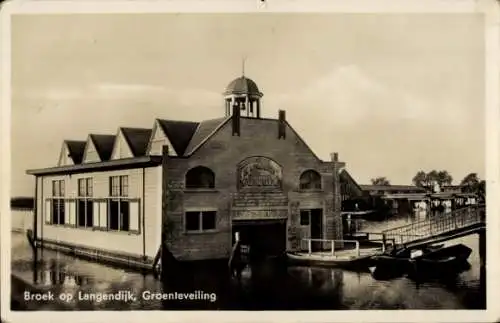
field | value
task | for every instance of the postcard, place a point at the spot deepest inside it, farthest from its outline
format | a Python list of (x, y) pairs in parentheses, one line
[(250, 161)]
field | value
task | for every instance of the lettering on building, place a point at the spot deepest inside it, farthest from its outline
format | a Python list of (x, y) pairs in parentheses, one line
[(259, 172)]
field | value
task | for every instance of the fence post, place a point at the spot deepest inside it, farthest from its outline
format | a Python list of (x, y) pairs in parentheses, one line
[(357, 248), (309, 246), (333, 247)]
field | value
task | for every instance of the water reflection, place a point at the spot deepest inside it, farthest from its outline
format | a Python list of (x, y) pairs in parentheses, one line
[(261, 287)]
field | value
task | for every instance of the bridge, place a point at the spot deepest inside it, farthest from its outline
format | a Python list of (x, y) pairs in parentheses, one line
[(448, 226)]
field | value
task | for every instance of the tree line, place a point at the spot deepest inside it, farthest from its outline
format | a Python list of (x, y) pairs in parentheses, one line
[(469, 184)]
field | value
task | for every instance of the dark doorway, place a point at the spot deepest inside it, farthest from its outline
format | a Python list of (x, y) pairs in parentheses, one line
[(263, 238), (316, 229)]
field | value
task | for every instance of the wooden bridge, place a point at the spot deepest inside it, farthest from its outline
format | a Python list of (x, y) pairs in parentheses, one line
[(439, 228)]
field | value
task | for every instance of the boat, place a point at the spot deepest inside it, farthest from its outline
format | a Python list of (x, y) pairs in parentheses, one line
[(348, 261), (388, 267), (449, 260), (398, 262)]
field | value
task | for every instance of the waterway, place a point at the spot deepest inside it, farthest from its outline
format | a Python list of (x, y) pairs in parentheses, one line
[(209, 287)]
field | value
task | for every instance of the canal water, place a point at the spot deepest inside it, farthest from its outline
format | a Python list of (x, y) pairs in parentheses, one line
[(269, 288)]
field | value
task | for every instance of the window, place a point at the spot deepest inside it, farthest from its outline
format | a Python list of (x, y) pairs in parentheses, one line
[(200, 177), (304, 217), (118, 186), (57, 205), (310, 179), (85, 207), (119, 205), (200, 221)]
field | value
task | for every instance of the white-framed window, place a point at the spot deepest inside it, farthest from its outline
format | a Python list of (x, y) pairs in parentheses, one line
[(56, 211), (199, 221), (84, 203), (123, 212)]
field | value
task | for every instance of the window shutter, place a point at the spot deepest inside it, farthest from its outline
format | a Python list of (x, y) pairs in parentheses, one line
[(103, 214), (134, 216), (72, 213), (96, 214), (48, 211)]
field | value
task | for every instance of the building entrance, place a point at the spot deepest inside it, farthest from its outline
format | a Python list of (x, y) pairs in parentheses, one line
[(261, 239)]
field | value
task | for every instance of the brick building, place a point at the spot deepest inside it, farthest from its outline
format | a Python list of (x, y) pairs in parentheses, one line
[(197, 182)]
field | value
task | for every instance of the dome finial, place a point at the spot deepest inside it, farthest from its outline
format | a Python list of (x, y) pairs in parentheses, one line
[(243, 66)]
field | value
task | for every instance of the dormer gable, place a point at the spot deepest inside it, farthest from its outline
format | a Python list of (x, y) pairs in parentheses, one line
[(64, 156), (90, 155), (98, 148), (131, 142), (180, 133), (121, 148), (158, 140), (71, 152)]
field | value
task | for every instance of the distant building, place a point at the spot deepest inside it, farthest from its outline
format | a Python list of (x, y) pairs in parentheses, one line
[(377, 190), (22, 213), (203, 182)]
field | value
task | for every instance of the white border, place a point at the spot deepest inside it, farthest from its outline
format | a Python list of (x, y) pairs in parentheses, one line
[(489, 7)]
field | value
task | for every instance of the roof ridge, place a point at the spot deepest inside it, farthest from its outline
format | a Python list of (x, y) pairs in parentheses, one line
[(134, 128), (72, 140), (101, 134), (173, 120)]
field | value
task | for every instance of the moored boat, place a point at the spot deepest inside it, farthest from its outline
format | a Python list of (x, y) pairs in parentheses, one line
[(349, 261), (444, 261), (388, 267), (434, 260), (397, 263)]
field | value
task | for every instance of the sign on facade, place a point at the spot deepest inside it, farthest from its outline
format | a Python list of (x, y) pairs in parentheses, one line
[(259, 172), (260, 214)]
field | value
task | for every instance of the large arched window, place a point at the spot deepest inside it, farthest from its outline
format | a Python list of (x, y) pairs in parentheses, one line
[(310, 180), (200, 177)]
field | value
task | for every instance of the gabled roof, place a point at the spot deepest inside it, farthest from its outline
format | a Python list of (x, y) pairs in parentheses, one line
[(76, 150), (203, 132), (206, 129), (179, 133), (104, 145), (137, 139), (345, 174)]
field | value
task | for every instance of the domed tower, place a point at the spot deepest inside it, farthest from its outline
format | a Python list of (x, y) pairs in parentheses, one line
[(243, 93)]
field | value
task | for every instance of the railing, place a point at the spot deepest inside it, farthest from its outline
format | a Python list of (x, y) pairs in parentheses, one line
[(438, 224), (329, 244)]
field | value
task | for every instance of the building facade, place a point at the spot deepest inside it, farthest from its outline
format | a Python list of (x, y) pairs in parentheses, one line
[(200, 183)]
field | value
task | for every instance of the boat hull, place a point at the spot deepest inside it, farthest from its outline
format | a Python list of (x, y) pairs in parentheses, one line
[(325, 261), (434, 262), (388, 267), (443, 262)]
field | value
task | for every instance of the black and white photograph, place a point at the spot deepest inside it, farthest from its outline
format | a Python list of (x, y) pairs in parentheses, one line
[(247, 161)]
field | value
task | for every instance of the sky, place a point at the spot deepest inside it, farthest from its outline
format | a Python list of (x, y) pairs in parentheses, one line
[(392, 94)]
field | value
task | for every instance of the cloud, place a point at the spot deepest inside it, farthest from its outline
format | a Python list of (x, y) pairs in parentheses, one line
[(124, 89), (349, 95), (119, 94)]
